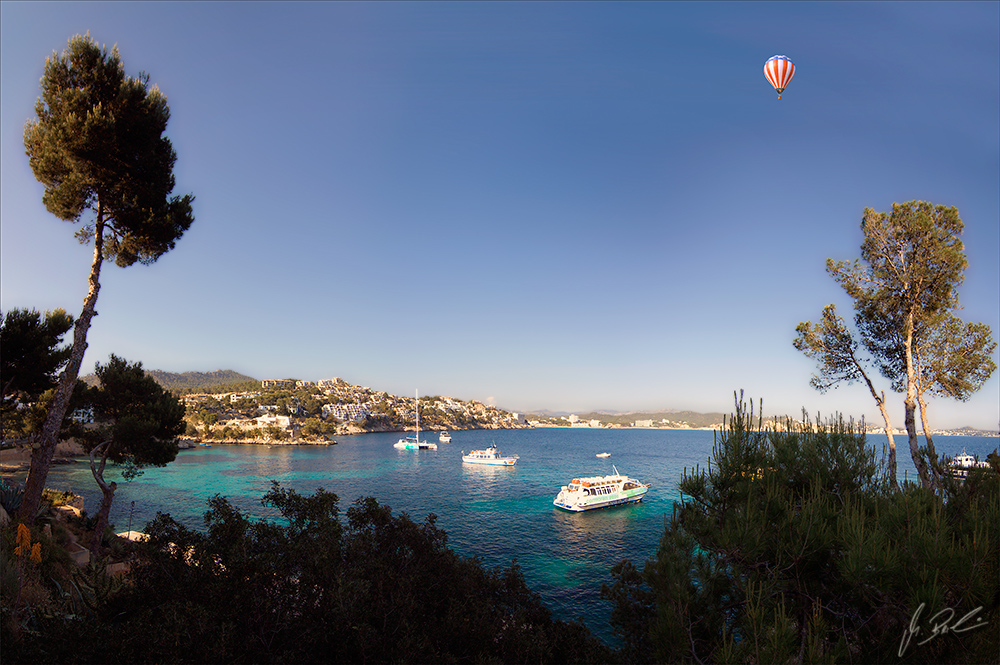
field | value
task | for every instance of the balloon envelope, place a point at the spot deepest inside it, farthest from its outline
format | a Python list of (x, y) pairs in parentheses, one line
[(779, 70)]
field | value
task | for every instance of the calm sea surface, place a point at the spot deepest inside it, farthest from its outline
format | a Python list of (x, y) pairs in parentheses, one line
[(498, 514)]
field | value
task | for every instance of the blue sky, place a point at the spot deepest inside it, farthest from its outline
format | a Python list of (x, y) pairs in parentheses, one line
[(565, 206)]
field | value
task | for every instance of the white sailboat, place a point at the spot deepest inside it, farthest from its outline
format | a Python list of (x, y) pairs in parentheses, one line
[(414, 442)]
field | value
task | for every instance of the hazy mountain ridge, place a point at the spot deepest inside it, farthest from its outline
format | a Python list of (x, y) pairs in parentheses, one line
[(204, 381), (690, 418), (188, 381)]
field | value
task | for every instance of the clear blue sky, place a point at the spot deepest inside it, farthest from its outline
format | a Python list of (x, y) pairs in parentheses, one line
[(564, 206)]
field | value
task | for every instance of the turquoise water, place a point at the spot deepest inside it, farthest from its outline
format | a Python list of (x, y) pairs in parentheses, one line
[(499, 514)]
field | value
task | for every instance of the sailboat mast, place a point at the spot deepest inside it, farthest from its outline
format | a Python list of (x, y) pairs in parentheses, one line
[(416, 394)]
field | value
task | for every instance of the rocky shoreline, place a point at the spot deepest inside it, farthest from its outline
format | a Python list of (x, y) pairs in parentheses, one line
[(17, 459)]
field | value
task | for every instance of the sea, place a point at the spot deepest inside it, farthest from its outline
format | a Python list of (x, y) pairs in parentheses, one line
[(502, 515)]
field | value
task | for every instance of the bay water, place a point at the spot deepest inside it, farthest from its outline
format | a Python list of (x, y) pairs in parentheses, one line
[(499, 514)]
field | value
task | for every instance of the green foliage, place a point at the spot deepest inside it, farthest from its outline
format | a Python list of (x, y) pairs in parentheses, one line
[(97, 144), (220, 381), (11, 494), (834, 348), (138, 417), (955, 357), (311, 587), (21, 422), (32, 356), (188, 383), (791, 546), (138, 425), (29, 367)]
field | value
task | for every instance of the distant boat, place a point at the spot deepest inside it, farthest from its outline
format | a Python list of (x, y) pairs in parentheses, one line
[(445, 437), (964, 463), (491, 456), (414, 442), (602, 455)]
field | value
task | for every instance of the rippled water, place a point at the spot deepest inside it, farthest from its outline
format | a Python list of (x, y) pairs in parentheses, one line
[(500, 514)]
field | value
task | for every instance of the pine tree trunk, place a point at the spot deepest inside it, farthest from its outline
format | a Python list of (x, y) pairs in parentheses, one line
[(931, 453), (911, 433), (108, 492), (910, 404), (108, 496), (44, 448), (880, 400), (892, 445)]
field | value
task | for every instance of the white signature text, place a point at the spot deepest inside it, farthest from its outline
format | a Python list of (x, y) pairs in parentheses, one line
[(940, 624)]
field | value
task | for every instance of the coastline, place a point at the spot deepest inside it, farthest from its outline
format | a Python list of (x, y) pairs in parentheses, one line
[(18, 458)]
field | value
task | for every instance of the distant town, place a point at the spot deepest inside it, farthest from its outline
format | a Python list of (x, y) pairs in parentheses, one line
[(295, 411), (289, 410)]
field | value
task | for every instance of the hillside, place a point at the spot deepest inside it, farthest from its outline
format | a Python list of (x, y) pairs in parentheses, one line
[(189, 382)]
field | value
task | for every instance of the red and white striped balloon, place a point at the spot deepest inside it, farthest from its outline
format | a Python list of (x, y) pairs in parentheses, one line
[(779, 71)]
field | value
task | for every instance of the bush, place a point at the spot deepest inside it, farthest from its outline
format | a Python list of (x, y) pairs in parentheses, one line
[(792, 546), (309, 588)]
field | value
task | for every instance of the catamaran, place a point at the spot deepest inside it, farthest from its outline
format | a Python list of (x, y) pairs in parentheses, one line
[(414, 442)]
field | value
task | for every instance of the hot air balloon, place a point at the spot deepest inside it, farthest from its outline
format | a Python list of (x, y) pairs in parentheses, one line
[(779, 71)]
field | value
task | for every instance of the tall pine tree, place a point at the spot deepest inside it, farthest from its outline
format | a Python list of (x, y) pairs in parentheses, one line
[(99, 148)]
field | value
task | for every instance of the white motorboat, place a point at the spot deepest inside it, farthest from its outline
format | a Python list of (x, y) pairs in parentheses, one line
[(444, 437), (603, 455), (600, 492), (962, 464), (414, 442), (490, 456)]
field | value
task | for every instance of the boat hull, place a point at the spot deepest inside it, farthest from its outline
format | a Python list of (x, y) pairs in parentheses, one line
[(408, 444), (503, 461)]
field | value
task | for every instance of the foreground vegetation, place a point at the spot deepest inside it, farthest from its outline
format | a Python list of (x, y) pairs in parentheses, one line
[(304, 588), (795, 547), (792, 546)]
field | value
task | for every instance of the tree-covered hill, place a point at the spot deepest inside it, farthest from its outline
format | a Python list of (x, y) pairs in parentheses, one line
[(191, 382)]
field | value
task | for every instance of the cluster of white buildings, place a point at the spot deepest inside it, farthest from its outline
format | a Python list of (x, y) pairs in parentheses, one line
[(347, 412)]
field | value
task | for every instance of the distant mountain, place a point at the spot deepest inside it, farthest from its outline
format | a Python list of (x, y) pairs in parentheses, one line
[(689, 418), (189, 381)]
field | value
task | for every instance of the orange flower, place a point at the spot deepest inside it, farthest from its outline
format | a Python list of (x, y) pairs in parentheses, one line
[(36, 552), (23, 540), (23, 535)]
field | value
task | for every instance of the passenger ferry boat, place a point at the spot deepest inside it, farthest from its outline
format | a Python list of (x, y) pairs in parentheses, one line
[(962, 464), (490, 456), (600, 492)]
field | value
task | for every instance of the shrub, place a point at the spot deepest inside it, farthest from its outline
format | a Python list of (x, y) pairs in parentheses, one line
[(792, 546)]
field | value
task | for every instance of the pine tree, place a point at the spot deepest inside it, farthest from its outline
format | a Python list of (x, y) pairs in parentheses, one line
[(99, 148)]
